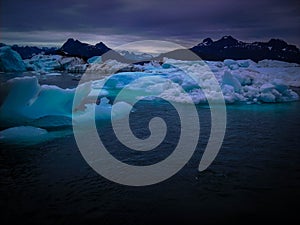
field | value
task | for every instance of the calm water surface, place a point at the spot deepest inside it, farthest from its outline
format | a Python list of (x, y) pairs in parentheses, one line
[(255, 178)]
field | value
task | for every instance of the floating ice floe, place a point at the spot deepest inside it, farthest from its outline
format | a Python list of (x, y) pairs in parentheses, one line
[(30, 135)]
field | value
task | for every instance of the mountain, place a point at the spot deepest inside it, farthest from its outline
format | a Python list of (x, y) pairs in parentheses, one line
[(225, 48), (27, 52), (83, 50), (229, 48)]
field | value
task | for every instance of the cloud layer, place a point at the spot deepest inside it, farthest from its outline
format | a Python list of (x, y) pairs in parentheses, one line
[(119, 21)]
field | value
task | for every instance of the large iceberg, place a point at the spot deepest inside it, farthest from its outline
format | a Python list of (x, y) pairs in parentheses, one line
[(10, 60), (27, 100)]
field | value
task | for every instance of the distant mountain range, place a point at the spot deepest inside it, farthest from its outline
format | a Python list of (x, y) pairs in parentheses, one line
[(27, 52), (225, 48), (230, 48)]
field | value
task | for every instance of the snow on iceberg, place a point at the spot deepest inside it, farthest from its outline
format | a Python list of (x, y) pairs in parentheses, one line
[(10, 60)]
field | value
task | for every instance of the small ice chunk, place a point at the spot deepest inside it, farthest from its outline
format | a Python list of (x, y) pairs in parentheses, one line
[(267, 97), (267, 88), (229, 79), (22, 133), (53, 74), (244, 63), (95, 59), (280, 85), (229, 62)]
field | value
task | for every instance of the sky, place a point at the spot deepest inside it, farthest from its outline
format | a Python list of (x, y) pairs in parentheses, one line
[(116, 22)]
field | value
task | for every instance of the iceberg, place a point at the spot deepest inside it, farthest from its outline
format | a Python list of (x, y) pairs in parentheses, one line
[(229, 79), (27, 100), (30, 135), (23, 134), (48, 63), (95, 59), (10, 60), (103, 111), (43, 63)]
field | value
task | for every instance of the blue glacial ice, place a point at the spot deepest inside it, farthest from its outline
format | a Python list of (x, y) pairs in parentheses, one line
[(28, 102), (29, 106), (10, 60), (33, 113)]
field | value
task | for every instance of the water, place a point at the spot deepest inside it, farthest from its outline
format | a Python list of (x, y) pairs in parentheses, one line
[(255, 177)]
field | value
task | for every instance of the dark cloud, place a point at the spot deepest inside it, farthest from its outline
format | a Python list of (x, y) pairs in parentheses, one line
[(185, 20)]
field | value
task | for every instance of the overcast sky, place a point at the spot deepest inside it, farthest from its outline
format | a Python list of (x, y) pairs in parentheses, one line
[(116, 22)]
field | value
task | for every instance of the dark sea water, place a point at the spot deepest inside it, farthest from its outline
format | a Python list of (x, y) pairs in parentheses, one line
[(255, 178)]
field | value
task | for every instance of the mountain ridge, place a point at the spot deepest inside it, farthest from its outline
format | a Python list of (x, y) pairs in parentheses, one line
[(226, 47), (230, 48)]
